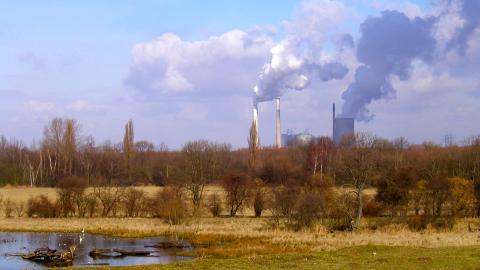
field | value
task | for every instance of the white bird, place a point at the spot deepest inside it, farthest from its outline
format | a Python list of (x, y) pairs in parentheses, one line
[(83, 230)]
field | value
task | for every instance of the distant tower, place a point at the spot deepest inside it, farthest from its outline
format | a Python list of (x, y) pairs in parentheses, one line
[(278, 132), (342, 126), (333, 122), (255, 121)]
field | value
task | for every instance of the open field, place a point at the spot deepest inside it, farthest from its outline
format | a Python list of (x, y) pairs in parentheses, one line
[(245, 243), (249, 243), (361, 257)]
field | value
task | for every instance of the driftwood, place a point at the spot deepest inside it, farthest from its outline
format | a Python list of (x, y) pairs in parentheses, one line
[(114, 253), (52, 257), (169, 245)]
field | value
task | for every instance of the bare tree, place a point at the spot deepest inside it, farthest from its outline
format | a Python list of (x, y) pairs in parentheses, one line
[(236, 186), (253, 147), (201, 164), (129, 149), (319, 154), (358, 166)]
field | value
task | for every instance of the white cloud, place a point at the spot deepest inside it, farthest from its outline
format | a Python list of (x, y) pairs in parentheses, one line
[(36, 106), (80, 106), (224, 64)]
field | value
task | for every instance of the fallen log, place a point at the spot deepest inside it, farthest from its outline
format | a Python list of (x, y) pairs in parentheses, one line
[(133, 252), (52, 257), (104, 253), (169, 245)]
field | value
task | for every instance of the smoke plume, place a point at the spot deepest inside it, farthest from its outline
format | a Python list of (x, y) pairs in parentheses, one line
[(287, 70), (387, 47), (297, 59), (390, 43), (470, 13)]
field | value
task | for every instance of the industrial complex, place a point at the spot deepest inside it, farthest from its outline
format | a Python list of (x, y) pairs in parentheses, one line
[(341, 127)]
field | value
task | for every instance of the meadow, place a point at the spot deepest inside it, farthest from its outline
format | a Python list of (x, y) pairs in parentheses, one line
[(246, 242)]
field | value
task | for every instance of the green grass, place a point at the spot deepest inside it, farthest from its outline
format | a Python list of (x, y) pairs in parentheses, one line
[(360, 257)]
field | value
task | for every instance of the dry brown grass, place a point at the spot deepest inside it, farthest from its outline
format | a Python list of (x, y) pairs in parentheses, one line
[(246, 236), (236, 236)]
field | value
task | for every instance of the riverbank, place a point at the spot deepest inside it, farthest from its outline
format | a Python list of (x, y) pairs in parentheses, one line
[(248, 243)]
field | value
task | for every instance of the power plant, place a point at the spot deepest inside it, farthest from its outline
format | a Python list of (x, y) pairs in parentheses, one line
[(341, 127)]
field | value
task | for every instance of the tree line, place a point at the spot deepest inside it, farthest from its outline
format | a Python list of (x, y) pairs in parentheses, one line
[(299, 185)]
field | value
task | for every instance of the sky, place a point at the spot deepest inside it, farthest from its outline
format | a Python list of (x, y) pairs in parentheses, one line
[(185, 70)]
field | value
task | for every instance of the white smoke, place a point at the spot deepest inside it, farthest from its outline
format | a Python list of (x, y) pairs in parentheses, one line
[(299, 57)]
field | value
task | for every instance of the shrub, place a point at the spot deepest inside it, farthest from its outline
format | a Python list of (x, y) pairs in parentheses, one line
[(258, 202), (71, 194), (236, 186), (444, 223), (20, 209), (42, 207), (462, 201), (169, 204), (417, 223), (308, 209), (109, 198), (90, 205), (9, 208), (134, 202), (371, 208), (341, 212), (214, 204), (258, 197)]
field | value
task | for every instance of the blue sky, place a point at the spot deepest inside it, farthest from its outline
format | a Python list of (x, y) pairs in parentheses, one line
[(72, 58)]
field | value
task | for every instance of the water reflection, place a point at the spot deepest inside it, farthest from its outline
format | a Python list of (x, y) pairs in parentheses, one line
[(26, 242)]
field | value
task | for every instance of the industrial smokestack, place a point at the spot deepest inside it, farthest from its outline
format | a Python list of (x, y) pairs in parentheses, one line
[(279, 127), (333, 122), (255, 121)]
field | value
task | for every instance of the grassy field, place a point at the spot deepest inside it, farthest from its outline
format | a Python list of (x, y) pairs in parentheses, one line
[(249, 243)]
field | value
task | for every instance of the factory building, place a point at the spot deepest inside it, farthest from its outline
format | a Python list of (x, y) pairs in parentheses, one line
[(342, 127), (290, 139)]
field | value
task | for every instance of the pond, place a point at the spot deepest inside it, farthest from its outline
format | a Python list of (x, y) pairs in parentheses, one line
[(13, 243)]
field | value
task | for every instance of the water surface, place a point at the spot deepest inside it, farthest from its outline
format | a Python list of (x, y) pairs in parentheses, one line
[(25, 242)]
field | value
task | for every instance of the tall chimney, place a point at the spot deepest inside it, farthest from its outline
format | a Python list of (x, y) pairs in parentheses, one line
[(255, 121), (279, 128), (333, 123)]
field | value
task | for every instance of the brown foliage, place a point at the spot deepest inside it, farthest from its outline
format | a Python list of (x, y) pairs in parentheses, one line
[(169, 204), (237, 188), (71, 196), (134, 202), (42, 207), (214, 204)]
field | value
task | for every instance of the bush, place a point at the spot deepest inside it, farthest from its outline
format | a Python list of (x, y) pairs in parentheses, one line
[(20, 209), (444, 223), (308, 209), (258, 202), (90, 205), (134, 202), (42, 207), (341, 212), (214, 204), (71, 195), (109, 198), (371, 208), (258, 197), (9, 208), (237, 187), (169, 204)]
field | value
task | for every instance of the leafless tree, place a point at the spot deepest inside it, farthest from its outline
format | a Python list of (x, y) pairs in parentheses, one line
[(358, 166), (201, 164)]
